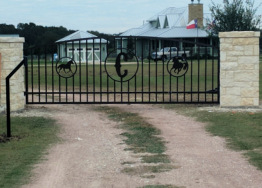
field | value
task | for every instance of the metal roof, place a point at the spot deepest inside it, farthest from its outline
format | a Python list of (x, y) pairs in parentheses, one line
[(176, 18), (81, 35)]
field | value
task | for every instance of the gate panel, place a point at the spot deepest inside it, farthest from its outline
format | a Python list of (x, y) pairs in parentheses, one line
[(123, 70)]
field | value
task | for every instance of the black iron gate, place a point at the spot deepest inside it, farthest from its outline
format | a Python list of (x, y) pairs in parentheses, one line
[(119, 70), (123, 70)]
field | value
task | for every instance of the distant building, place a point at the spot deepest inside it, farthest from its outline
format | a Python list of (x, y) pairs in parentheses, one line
[(169, 24), (83, 46)]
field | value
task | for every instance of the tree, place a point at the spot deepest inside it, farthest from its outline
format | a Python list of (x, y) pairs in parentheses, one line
[(7, 29), (234, 15)]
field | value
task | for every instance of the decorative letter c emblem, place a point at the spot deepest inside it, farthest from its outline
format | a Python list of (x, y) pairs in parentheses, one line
[(118, 65)]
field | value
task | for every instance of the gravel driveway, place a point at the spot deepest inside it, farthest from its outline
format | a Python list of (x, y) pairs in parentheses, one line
[(91, 152)]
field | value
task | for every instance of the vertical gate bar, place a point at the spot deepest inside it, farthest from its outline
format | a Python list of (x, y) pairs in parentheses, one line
[(107, 88), (198, 74), (67, 56), (26, 79), (100, 56), (114, 91), (156, 72), (115, 48), (170, 77), (94, 89), (59, 88), (177, 88), (80, 72), (73, 79), (53, 97), (121, 89), (149, 69), (142, 59), (184, 48), (170, 88), (39, 88), (191, 80), (87, 70), (128, 91), (177, 80), (136, 74), (135, 88), (170, 91), (45, 75), (205, 74), (66, 89), (218, 75), (184, 88), (32, 75), (135, 46), (121, 83), (212, 73), (163, 75), (107, 77)]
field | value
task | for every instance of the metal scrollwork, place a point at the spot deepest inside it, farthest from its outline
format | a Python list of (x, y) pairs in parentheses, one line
[(123, 61), (177, 66), (66, 67)]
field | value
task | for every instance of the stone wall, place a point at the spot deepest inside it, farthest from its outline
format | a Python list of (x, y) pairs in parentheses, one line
[(239, 69), (11, 49)]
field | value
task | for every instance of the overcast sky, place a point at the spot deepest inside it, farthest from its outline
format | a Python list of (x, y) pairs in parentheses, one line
[(108, 16)]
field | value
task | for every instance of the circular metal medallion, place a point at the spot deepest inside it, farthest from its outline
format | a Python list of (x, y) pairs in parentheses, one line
[(66, 67), (177, 66), (121, 65)]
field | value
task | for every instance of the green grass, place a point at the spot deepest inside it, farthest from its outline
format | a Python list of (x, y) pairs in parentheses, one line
[(31, 138), (141, 138), (242, 130)]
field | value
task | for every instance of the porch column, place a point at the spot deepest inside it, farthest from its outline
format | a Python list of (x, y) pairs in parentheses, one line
[(11, 50)]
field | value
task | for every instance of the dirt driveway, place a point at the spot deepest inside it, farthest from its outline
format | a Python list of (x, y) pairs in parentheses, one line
[(91, 153)]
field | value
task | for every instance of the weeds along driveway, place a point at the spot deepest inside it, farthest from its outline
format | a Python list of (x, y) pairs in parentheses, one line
[(92, 152)]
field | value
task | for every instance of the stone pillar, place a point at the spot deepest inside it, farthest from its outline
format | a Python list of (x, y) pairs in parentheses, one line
[(11, 49), (239, 69)]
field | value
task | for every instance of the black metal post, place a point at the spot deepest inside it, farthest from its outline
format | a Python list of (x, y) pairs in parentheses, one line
[(8, 114)]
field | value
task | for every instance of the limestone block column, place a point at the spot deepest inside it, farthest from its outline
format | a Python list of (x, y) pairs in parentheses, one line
[(11, 49), (239, 69)]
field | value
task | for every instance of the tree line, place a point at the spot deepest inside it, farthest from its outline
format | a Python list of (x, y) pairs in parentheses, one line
[(39, 36), (36, 35)]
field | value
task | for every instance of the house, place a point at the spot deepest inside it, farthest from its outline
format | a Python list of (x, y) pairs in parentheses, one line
[(83, 47), (170, 24)]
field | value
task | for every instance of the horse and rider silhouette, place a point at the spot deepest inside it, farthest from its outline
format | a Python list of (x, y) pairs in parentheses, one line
[(65, 66), (178, 66)]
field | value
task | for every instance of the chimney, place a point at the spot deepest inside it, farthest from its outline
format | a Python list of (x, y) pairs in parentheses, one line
[(195, 11)]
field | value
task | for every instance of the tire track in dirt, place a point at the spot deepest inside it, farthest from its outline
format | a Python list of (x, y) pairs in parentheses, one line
[(91, 152), (204, 159), (89, 155)]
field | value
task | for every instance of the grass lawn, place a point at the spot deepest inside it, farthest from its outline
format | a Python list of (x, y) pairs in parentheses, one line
[(31, 137), (243, 131)]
